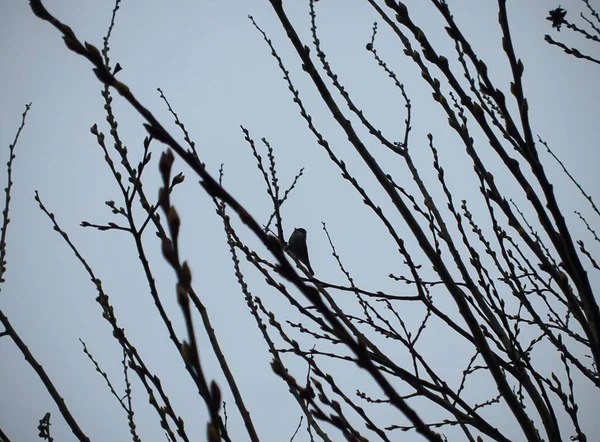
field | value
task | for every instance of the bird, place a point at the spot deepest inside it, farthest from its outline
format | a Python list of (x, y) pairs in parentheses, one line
[(297, 247)]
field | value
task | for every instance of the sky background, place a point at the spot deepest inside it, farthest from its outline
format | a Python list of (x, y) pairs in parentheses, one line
[(218, 74)]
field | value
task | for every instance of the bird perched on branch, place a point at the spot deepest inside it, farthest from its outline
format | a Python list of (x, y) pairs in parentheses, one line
[(297, 247)]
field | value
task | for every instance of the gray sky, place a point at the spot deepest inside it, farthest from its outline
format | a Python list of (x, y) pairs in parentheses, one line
[(218, 74)]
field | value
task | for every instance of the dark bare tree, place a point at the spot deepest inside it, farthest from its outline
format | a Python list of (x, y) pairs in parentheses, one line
[(504, 277)]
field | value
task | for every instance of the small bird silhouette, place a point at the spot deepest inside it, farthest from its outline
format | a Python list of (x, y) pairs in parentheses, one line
[(297, 247)]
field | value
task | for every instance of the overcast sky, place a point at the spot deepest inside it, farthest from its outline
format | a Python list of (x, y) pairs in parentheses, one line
[(218, 74)]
